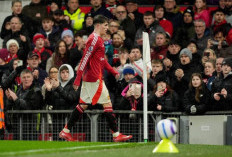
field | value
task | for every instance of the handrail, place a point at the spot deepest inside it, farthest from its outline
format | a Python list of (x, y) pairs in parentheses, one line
[(118, 111)]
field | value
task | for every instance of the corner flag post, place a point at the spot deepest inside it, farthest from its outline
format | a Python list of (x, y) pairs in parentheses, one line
[(146, 65)]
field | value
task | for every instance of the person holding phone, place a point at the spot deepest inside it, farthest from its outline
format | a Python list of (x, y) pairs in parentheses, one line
[(163, 97), (222, 88)]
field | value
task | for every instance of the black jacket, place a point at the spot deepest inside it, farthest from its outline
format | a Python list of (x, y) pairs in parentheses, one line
[(189, 100), (29, 99), (218, 84), (169, 102)]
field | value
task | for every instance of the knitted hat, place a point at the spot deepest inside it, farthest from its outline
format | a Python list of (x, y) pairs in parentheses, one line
[(190, 11), (128, 70), (11, 41), (4, 54), (187, 52), (227, 61), (67, 32), (37, 36)]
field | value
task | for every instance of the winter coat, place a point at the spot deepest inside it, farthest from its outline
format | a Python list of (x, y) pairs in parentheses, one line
[(189, 100), (169, 102), (129, 27), (218, 84), (28, 24), (175, 17), (74, 56), (29, 99), (64, 97), (102, 11), (204, 15)]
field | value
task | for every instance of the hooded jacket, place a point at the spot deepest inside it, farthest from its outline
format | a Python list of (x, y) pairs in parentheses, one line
[(63, 97)]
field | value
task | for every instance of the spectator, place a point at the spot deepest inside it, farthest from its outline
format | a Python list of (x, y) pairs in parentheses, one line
[(43, 53), (170, 69), (128, 74), (28, 96), (222, 88), (74, 13), (10, 78), (184, 71), (132, 96), (59, 57), (186, 32), (109, 50), (99, 9), (150, 26), (173, 13), (124, 61), (50, 32), (192, 46), (35, 10), (159, 12), (80, 39), (197, 97), (219, 61), (111, 5), (114, 26), (157, 71), (17, 33), (210, 73), (133, 13), (126, 23), (117, 43), (3, 61), (16, 7), (201, 35), (220, 21), (163, 97), (208, 54), (33, 65), (53, 5), (60, 20), (159, 50), (74, 54), (228, 10), (88, 24), (59, 91), (201, 12), (174, 52)]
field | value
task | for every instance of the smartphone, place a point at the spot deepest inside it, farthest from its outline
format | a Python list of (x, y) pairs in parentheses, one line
[(19, 63)]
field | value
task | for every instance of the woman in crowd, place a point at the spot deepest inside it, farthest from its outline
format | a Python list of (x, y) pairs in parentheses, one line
[(197, 97), (210, 73), (201, 12), (163, 97), (59, 57)]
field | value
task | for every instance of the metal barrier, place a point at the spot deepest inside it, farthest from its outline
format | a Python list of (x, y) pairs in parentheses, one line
[(45, 125)]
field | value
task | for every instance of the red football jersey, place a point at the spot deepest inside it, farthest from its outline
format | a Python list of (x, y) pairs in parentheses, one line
[(93, 61)]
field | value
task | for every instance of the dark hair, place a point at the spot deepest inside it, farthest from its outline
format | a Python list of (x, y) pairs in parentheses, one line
[(136, 47), (158, 7), (58, 61), (80, 33), (149, 13), (15, 1), (99, 19), (199, 89), (64, 68)]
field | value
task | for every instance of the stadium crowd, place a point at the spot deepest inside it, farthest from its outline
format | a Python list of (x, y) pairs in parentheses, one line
[(190, 50)]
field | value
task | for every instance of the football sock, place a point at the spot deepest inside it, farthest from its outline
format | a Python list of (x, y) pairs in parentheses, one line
[(110, 118), (75, 116)]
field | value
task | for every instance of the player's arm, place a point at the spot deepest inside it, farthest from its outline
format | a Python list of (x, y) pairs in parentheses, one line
[(109, 68), (90, 47)]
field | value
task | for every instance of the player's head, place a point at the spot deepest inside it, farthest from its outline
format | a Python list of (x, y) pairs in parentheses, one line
[(100, 23)]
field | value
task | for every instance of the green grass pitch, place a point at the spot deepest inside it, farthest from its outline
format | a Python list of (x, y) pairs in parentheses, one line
[(104, 149)]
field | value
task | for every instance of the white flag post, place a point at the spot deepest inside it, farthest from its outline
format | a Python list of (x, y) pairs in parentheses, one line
[(146, 65)]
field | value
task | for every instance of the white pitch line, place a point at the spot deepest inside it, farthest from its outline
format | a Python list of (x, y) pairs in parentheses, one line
[(55, 149)]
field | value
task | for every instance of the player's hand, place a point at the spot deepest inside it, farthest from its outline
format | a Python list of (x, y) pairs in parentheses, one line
[(117, 76), (75, 87)]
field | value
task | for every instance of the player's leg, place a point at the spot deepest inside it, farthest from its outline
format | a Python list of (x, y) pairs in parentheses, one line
[(75, 116), (111, 120)]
